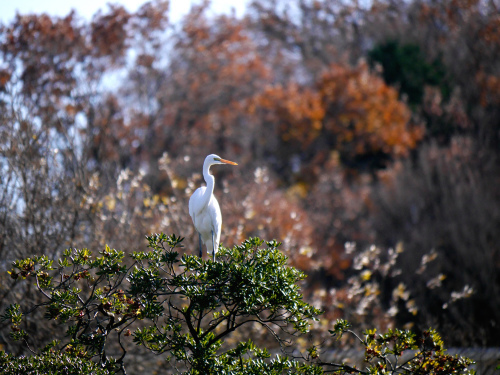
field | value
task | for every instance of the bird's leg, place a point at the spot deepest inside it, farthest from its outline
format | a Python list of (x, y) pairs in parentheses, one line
[(213, 246), (201, 249)]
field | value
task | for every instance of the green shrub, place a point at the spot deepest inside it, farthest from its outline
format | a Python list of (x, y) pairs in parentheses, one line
[(48, 363), (405, 65), (187, 308)]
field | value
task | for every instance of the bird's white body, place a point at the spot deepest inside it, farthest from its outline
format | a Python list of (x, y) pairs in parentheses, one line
[(204, 208), (207, 219)]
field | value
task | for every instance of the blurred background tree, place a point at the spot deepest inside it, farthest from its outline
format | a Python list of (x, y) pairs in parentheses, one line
[(367, 138)]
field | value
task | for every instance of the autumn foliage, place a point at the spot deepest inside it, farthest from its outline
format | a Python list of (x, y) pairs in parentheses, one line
[(367, 138), (349, 109)]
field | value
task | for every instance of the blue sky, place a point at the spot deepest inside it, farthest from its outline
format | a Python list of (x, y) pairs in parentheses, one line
[(87, 8)]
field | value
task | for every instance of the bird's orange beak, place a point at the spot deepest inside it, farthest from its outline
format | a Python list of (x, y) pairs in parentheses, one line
[(228, 162)]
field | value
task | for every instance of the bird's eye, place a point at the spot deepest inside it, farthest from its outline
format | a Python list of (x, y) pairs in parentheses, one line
[(217, 159)]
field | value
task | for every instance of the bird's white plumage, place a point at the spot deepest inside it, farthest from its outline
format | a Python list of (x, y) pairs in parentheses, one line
[(204, 208), (206, 219)]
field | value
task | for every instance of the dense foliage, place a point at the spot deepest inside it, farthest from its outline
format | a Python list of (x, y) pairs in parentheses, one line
[(190, 310), (189, 306), (48, 363)]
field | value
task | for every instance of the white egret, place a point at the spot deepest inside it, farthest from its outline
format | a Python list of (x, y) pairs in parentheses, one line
[(204, 208)]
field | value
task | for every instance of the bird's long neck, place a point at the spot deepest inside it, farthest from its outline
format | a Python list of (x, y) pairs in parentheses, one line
[(210, 180)]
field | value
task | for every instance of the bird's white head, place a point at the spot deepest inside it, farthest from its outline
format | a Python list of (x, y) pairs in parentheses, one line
[(216, 159), (213, 159)]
